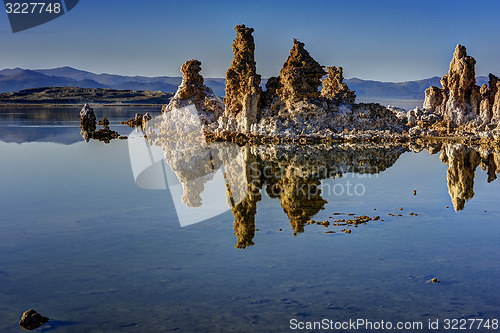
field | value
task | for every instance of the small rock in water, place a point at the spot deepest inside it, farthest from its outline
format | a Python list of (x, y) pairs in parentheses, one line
[(32, 320)]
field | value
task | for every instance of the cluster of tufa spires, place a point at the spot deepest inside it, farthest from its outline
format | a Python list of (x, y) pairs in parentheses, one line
[(460, 101), (244, 100), (307, 101)]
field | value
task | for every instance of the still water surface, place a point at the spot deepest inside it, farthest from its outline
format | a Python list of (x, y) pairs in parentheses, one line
[(81, 243)]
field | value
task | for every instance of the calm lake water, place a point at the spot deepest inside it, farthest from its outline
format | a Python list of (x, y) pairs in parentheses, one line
[(83, 244)]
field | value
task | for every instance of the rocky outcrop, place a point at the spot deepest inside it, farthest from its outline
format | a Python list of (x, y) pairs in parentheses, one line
[(87, 118), (291, 106), (460, 101), (420, 121), (105, 134), (104, 122), (243, 89), (334, 87), (32, 320), (270, 99), (139, 120), (300, 76), (489, 108), (193, 91)]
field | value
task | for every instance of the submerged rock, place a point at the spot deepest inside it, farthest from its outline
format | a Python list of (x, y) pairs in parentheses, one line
[(32, 320)]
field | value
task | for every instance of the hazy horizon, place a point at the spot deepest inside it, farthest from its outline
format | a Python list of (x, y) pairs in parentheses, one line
[(388, 41)]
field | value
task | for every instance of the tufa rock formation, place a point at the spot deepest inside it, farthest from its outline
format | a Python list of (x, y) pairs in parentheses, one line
[(489, 108), (32, 320), (139, 120), (334, 87), (193, 91), (461, 101), (105, 134), (104, 123), (87, 118), (300, 76), (270, 98), (243, 89)]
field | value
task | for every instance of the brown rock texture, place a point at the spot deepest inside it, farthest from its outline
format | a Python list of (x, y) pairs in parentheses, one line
[(300, 76), (139, 120), (32, 320), (334, 87), (490, 103), (242, 81), (270, 96), (193, 91), (192, 81), (461, 101)]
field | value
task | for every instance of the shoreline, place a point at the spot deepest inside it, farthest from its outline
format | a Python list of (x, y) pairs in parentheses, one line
[(77, 104), (242, 140)]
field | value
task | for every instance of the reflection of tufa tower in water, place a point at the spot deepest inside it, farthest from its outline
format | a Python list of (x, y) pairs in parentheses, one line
[(462, 163)]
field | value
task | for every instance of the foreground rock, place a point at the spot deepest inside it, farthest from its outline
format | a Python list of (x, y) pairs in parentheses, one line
[(193, 91), (460, 101), (32, 320)]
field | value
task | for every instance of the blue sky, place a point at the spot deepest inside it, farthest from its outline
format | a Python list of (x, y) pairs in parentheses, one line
[(378, 40)]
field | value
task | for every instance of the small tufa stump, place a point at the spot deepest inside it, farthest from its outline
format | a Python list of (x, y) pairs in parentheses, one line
[(32, 320)]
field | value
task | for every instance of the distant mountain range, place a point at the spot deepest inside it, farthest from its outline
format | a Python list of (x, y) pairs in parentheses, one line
[(19, 79)]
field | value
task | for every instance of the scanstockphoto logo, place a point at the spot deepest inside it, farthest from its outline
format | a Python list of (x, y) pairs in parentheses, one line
[(29, 14)]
